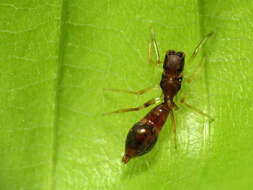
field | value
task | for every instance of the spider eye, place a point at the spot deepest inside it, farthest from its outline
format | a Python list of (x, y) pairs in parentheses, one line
[(171, 52), (180, 54)]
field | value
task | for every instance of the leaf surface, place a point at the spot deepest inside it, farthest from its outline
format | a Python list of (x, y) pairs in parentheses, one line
[(56, 58)]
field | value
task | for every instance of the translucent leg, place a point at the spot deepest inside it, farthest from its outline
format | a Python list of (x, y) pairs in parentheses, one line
[(174, 127), (146, 104), (139, 92), (202, 42), (153, 41), (199, 67), (196, 110)]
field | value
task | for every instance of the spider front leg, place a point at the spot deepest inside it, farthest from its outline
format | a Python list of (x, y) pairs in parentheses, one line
[(200, 45), (154, 43)]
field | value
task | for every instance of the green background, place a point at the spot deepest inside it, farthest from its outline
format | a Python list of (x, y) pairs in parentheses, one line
[(57, 56)]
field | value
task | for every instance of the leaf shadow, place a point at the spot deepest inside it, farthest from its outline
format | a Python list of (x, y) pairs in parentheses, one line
[(140, 165)]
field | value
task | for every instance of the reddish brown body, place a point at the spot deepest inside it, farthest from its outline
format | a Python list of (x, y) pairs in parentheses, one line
[(172, 76), (143, 135)]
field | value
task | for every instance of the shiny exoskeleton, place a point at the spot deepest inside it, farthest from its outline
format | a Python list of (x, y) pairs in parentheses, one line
[(143, 135), (172, 75)]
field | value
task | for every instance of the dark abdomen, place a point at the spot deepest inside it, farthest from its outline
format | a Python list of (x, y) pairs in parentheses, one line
[(143, 135)]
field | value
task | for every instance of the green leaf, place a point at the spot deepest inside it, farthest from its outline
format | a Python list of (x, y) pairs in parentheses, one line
[(56, 58)]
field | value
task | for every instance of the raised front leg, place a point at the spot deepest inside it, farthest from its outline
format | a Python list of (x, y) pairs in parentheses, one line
[(153, 42), (200, 45)]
